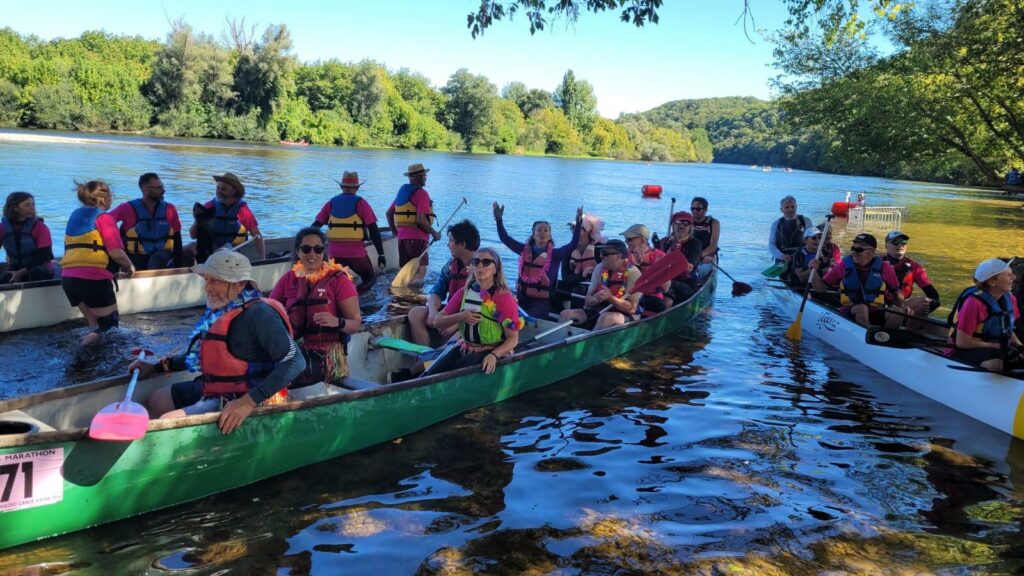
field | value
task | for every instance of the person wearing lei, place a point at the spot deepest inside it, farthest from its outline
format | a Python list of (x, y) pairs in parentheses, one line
[(487, 314)]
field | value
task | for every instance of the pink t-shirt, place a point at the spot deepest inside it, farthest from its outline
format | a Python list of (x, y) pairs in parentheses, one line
[(111, 240), (40, 234), (343, 249), (245, 216), (421, 200), (125, 214), (973, 314), (504, 302), (290, 288), (835, 275)]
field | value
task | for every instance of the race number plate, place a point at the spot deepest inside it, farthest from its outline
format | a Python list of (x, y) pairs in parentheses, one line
[(30, 479)]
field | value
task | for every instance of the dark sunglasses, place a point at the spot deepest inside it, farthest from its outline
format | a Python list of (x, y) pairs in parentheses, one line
[(481, 262), (684, 223), (306, 249), (898, 242), (696, 208), (859, 249)]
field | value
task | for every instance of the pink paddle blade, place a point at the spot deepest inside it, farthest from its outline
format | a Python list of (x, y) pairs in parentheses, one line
[(121, 421)]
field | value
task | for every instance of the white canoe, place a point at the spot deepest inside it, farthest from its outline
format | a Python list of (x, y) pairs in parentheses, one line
[(995, 399), (36, 304)]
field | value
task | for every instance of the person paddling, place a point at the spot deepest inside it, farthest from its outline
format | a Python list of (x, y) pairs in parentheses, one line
[(487, 315), (539, 261), (865, 281), (707, 229), (983, 320), (349, 218), (241, 347), (27, 242)]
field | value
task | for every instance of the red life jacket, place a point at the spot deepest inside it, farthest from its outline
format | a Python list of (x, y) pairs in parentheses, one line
[(457, 275), (904, 274), (533, 272), (224, 373), (583, 264), (317, 297)]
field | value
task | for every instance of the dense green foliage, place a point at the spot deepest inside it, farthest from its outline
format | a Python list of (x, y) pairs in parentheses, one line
[(253, 88)]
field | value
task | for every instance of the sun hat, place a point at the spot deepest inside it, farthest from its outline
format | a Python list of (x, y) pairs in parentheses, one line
[(416, 169), (350, 179), (990, 268), (226, 265), (614, 246), (232, 180), (865, 239), (637, 231), (812, 232), (894, 235), (593, 224), (682, 215)]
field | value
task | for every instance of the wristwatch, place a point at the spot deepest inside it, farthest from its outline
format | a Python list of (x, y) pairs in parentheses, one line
[(341, 325)]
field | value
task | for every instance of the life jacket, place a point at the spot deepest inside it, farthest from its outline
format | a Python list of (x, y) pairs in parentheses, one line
[(226, 227), (999, 323), (151, 233), (317, 298), (789, 234), (224, 373), (655, 292), (345, 225), (583, 263), (802, 257), (702, 231), (616, 282), (457, 275), (19, 244), (488, 332), (871, 292), (405, 210), (904, 274), (83, 244), (533, 272)]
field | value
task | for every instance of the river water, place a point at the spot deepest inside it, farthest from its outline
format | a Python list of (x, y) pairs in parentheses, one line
[(723, 449)]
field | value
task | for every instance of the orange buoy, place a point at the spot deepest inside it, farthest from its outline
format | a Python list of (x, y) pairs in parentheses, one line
[(843, 208), (651, 190)]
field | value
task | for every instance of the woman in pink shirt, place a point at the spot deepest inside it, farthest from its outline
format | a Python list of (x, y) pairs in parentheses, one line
[(92, 253), (26, 241)]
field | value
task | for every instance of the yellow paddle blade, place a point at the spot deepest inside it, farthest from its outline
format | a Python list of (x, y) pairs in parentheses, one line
[(794, 331), (406, 275)]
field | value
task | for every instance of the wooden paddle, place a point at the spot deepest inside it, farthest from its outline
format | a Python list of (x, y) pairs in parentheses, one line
[(795, 329), (408, 272), (122, 421), (738, 288)]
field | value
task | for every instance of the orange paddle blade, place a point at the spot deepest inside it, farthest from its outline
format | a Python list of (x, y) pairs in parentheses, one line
[(794, 331)]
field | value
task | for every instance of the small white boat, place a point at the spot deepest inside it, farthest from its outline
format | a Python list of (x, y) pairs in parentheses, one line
[(995, 399), (37, 304)]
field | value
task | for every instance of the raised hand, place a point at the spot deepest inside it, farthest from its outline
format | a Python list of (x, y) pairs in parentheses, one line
[(499, 211)]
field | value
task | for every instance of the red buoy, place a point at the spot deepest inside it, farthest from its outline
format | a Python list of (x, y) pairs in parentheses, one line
[(843, 208), (651, 190)]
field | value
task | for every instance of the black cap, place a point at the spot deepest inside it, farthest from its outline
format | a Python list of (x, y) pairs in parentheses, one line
[(614, 246), (866, 239)]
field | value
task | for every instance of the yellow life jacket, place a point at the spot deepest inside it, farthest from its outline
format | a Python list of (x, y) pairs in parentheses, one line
[(83, 244), (405, 210), (345, 224)]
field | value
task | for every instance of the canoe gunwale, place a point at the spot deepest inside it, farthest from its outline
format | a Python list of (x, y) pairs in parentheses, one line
[(75, 434)]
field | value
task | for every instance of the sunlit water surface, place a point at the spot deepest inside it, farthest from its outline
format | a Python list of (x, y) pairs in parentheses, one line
[(723, 449)]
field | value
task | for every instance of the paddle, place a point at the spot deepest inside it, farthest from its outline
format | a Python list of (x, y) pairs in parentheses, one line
[(673, 264), (794, 331), (738, 288), (775, 270), (898, 338), (408, 272), (121, 421), (671, 212)]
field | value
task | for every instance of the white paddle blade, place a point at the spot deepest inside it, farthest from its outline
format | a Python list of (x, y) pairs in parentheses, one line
[(407, 274)]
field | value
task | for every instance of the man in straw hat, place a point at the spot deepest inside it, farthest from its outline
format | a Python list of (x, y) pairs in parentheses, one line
[(233, 221), (245, 351), (349, 219), (412, 215)]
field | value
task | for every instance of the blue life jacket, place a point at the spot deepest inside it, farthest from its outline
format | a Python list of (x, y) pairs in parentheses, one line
[(999, 323), (871, 292), (226, 227), (20, 245), (151, 233)]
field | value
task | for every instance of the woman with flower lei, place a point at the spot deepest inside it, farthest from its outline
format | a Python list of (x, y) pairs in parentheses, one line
[(323, 307), (487, 314)]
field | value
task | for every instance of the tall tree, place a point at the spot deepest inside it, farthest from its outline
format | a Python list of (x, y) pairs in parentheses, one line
[(366, 102), (577, 101), (468, 110), (264, 72)]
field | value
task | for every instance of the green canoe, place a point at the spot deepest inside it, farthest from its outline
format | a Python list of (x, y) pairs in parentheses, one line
[(55, 480)]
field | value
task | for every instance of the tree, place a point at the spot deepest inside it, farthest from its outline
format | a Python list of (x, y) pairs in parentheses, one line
[(190, 68), (577, 101), (263, 73), (529, 100), (470, 100), (639, 12), (366, 102)]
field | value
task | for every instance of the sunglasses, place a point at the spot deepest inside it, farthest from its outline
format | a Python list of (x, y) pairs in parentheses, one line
[(683, 223), (481, 262), (696, 208), (306, 248), (859, 249), (898, 242)]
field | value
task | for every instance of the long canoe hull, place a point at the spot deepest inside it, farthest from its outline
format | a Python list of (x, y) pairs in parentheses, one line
[(994, 399), (38, 304), (182, 460)]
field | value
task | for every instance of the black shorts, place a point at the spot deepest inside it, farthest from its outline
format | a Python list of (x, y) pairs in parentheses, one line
[(92, 293), (186, 393)]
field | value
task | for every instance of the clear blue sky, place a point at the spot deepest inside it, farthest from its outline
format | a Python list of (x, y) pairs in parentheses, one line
[(696, 51)]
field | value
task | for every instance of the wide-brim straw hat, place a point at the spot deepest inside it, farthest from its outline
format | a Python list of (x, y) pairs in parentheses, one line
[(232, 180), (415, 169), (350, 179), (226, 265)]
